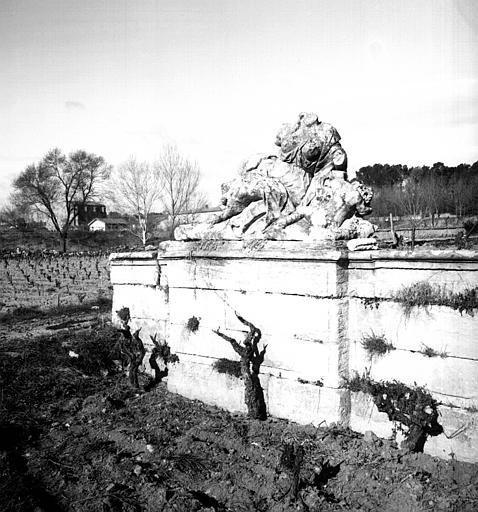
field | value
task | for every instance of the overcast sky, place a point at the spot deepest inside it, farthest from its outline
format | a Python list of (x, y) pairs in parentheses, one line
[(398, 79)]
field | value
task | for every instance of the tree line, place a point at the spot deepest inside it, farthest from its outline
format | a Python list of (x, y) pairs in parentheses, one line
[(58, 184), (422, 190)]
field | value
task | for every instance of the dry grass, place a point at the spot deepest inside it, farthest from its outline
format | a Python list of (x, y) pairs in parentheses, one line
[(430, 352), (228, 367), (376, 345), (423, 294), (192, 324)]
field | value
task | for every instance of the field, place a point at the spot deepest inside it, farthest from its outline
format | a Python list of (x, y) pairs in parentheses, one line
[(78, 240), (45, 280), (75, 437), (33, 274)]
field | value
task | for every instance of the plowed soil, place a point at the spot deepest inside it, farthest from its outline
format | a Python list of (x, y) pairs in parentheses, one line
[(75, 437)]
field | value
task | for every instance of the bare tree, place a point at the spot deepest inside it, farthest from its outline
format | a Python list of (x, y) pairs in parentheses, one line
[(16, 215), (57, 182), (179, 180), (462, 194), (135, 190), (432, 192), (410, 200)]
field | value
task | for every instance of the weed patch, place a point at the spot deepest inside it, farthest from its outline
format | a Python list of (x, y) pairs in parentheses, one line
[(370, 302), (423, 294), (414, 408), (430, 352), (318, 383), (228, 366), (376, 345), (192, 324)]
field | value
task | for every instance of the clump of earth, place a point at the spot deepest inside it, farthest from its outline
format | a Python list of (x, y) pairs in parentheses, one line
[(75, 437)]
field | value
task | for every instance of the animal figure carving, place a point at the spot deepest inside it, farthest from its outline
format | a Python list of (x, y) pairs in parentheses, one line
[(300, 194)]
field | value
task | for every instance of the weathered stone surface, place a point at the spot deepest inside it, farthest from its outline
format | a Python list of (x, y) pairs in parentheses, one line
[(285, 398), (365, 416), (199, 381), (311, 144), (362, 244), (452, 380), (313, 306), (305, 277), (303, 403), (143, 301), (301, 195), (441, 328), (460, 437), (303, 359), (202, 343), (293, 316), (457, 270), (248, 249), (135, 272)]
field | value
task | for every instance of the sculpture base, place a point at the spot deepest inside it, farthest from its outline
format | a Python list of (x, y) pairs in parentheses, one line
[(237, 229), (313, 306)]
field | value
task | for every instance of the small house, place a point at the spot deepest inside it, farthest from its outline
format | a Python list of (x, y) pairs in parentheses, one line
[(108, 224)]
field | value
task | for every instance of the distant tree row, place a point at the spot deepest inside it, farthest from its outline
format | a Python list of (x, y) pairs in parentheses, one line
[(58, 183), (422, 190)]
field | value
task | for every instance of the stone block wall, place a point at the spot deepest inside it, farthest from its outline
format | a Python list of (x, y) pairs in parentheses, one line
[(140, 285), (313, 307)]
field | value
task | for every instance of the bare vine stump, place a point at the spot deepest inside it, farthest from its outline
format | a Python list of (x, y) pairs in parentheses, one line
[(160, 350), (291, 459), (133, 349), (251, 360), (415, 408), (131, 346)]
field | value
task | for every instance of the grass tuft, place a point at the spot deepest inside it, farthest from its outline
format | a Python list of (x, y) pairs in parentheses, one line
[(192, 324), (318, 382), (228, 367), (423, 294), (431, 352), (376, 345)]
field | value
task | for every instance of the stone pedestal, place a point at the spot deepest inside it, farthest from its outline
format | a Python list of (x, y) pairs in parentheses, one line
[(313, 306)]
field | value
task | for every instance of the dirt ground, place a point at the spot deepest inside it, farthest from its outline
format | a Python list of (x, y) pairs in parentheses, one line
[(75, 437)]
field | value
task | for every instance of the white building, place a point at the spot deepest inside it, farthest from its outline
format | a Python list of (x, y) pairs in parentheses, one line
[(108, 224)]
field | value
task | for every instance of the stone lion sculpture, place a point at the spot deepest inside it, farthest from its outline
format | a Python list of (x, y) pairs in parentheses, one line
[(302, 194)]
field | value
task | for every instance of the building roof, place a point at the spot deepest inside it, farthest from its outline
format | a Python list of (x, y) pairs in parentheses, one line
[(110, 221), (88, 203)]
